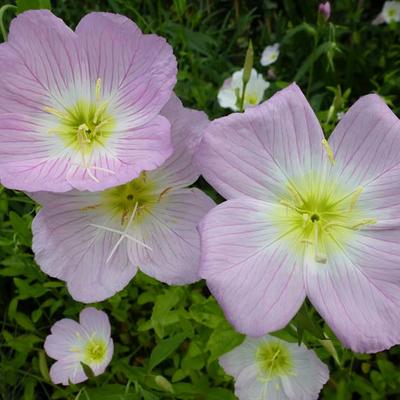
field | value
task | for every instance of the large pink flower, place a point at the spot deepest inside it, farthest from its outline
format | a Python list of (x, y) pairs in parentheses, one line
[(96, 241), (306, 218), (81, 109)]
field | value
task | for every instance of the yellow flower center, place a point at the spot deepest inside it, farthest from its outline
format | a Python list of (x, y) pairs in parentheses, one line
[(273, 360), (95, 351)]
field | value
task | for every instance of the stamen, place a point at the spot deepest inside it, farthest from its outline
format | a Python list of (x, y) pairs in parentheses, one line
[(99, 111), (295, 193), (98, 89), (291, 206), (329, 151), (306, 218), (55, 112), (354, 199), (318, 255), (124, 234), (369, 221)]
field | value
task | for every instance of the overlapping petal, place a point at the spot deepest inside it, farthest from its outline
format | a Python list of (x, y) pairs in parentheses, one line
[(67, 246), (253, 153), (170, 230), (366, 141), (187, 129), (357, 291), (249, 270)]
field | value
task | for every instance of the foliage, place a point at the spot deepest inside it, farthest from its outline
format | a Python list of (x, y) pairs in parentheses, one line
[(168, 339)]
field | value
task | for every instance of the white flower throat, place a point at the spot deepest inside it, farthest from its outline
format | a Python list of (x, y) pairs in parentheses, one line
[(320, 213)]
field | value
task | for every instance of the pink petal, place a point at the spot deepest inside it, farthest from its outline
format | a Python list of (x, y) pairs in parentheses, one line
[(366, 141), (170, 230), (254, 153), (67, 247), (65, 334), (28, 159), (139, 69), (40, 61), (95, 322), (66, 371), (187, 128), (253, 275), (357, 291)]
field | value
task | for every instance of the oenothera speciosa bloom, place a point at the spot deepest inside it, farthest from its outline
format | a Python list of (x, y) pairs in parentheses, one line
[(81, 109), (270, 368), (72, 343), (96, 241), (306, 217)]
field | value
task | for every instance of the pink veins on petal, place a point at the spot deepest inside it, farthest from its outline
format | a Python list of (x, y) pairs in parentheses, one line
[(81, 110)]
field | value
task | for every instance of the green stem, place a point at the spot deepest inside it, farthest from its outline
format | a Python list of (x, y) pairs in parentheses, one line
[(2, 27), (241, 105)]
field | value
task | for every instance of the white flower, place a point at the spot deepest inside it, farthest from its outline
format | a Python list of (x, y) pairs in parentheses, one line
[(72, 343), (270, 54), (270, 368), (391, 12), (231, 92)]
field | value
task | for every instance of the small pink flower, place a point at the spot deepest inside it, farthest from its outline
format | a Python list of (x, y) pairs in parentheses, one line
[(325, 10), (81, 110), (97, 241), (71, 343)]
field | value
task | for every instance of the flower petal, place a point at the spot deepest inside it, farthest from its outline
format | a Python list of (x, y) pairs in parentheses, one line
[(66, 334), (140, 70), (251, 272), (95, 321), (253, 153), (66, 372), (30, 160), (366, 141), (40, 62), (187, 128), (309, 376), (357, 291), (170, 231), (68, 247)]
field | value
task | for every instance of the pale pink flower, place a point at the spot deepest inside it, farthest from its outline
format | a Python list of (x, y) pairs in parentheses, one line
[(81, 109), (306, 217), (97, 241), (72, 343)]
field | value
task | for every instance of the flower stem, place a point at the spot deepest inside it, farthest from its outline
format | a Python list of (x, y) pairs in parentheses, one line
[(2, 27)]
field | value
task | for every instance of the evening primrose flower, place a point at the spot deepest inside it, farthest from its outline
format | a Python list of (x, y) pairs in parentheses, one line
[(270, 368), (306, 217), (270, 54), (390, 13), (72, 343), (231, 92), (325, 10), (81, 109), (96, 241)]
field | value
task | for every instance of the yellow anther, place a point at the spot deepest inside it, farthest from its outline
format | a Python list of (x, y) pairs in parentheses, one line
[(295, 193), (100, 110), (55, 112), (368, 221), (329, 151), (355, 197), (98, 89)]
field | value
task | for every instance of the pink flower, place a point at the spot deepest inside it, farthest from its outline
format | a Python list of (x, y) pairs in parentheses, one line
[(270, 368), (81, 109), (96, 241), (306, 218), (72, 343), (325, 10)]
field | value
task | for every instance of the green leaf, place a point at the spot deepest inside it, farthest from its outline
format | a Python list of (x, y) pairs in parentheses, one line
[(88, 371), (223, 340), (164, 349), (43, 367), (24, 321), (25, 5)]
